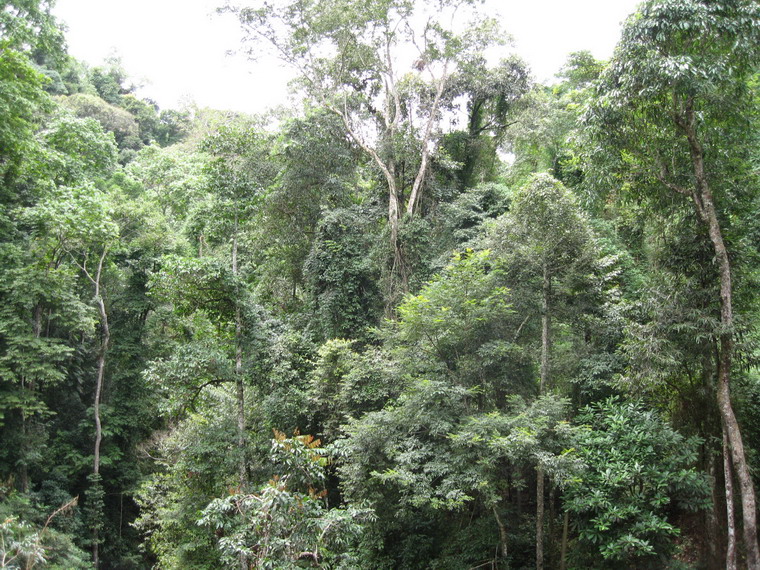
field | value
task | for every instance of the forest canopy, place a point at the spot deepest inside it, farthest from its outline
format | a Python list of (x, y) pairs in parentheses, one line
[(434, 314)]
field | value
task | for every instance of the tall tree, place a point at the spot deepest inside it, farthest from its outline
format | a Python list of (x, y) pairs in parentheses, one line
[(546, 242), (383, 68), (543, 135), (675, 109), (87, 234), (213, 286), (78, 216), (491, 96), (237, 173)]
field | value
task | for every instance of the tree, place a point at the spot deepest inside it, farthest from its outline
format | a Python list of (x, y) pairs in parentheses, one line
[(341, 278), (433, 449), (383, 68), (62, 399), (87, 235), (78, 217), (171, 178), (211, 288), (110, 81), (238, 173), (26, 543), (673, 110), (28, 25), (41, 307), (114, 119), (317, 173), (21, 99), (543, 133), (192, 465), (491, 98), (547, 242)]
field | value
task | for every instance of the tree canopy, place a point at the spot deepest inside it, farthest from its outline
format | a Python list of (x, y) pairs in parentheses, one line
[(429, 314)]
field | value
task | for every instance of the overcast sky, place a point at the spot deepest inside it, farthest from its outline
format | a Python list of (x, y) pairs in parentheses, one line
[(178, 47)]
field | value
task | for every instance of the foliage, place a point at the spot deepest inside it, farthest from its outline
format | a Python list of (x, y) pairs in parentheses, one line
[(113, 119), (544, 231), (287, 523), (193, 465), (460, 222), (341, 278), (673, 126), (637, 470), (545, 135), (348, 381), (318, 173), (492, 96), (382, 68), (28, 25), (20, 100), (632, 111), (461, 319), (378, 267), (29, 538), (170, 177)]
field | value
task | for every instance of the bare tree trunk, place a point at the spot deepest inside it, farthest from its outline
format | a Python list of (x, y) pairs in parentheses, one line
[(398, 271), (390, 120), (399, 278), (730, 517), (422, 171), (503, 536), (105, 339)]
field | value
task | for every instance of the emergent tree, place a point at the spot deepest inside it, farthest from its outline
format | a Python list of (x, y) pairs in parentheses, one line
[(674, 110)]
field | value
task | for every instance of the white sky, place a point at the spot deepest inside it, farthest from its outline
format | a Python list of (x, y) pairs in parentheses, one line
[(178, 47)]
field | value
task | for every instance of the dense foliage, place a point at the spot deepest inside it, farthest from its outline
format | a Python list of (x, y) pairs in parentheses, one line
[(435, 316)]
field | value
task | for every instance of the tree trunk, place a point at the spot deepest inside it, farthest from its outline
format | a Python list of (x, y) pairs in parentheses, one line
[(390, 121), (240, 390), (503, 536), (30, 388), (563, 551), (422, 171), (239, 386), (105, 339), (713, 528), (23, 467), (399, 279), (545, 348), (730, 518), (705, 206), (539, 518), (545, 330), (398, 282)]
